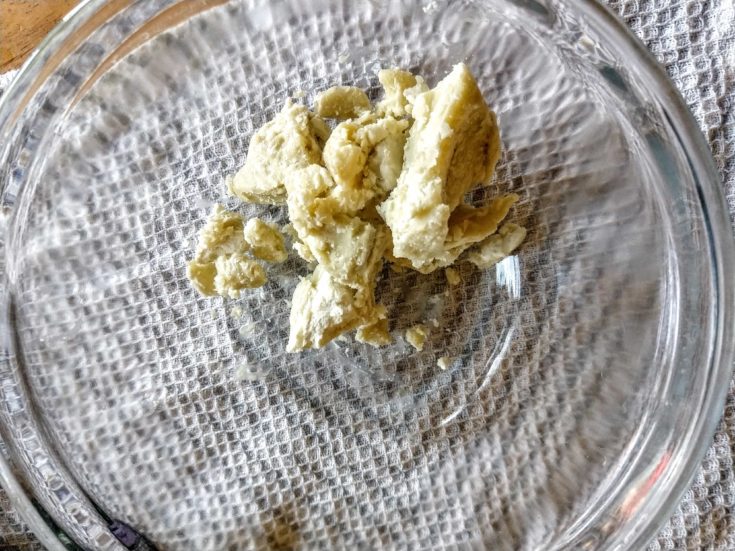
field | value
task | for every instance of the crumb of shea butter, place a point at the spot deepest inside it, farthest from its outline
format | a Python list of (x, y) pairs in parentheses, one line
[(416, 336), (225, 262), (395, 82), (235, 273), (342, 102), (498, 246), (444, 362), (376, 333), (323, 308), (220, 266), (453, 277)]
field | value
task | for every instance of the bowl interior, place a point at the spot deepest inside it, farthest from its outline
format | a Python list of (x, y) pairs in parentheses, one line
[(185, 418)]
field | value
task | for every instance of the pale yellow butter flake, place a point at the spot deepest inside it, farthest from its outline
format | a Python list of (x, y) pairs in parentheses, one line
[(221, 265), (350, 249), (221, 234), (326, 232), (384, 165), (304, 252), (322, 309), (308, 201), (395, 82), (444, 362), (376, 333), (201, 275), (453, 277), (401, 89), (236, 273), (342, 102), (468, 225), (416, 336), (412, 93), (265, 240), (497, 247), (345, 158), (301, 249)]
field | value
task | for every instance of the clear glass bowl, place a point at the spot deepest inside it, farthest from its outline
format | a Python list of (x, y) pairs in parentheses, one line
[(588, 370)]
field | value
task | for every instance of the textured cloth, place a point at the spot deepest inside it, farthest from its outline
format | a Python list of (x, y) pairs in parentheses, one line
[(696, 43)]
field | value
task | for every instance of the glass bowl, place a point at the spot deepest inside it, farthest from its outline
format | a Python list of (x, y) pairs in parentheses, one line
[(587, 371)]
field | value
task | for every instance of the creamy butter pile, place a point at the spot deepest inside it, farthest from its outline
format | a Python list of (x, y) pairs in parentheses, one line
[(386, 184)]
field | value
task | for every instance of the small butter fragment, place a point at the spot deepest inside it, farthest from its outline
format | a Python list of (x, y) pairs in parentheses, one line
[(468, 224), (452, 276), (265, 241), (304, 252), (235, 273), (308, 205), (412, 93), (221, 266), (416, 336), (444, 362), (395, 82), (322, 309), (221, 234), (376, 333), (342, 102), (293, 139), (201, 275), (497, 247), (350, 249)]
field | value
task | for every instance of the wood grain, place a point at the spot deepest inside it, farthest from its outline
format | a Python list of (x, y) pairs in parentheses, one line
[(23, 24)]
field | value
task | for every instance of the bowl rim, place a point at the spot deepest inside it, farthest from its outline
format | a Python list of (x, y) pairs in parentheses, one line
[(662, 503), (663, 498)]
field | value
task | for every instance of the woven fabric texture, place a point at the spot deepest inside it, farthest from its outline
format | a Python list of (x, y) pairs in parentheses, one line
[(695, 41)]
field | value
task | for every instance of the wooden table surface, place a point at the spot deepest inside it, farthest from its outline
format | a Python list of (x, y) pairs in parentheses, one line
[(23, 24)]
